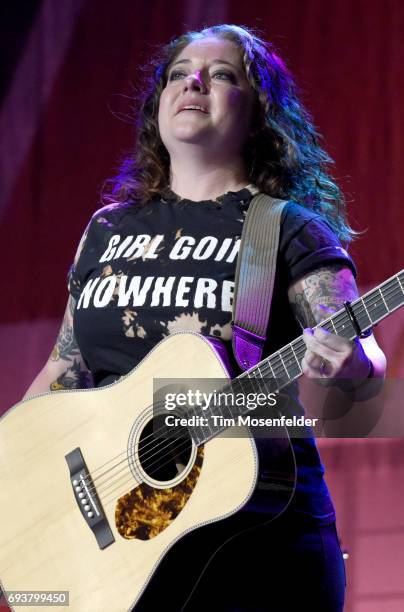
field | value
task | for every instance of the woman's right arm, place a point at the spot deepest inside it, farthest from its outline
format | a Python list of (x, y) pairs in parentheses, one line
[(65, 368)]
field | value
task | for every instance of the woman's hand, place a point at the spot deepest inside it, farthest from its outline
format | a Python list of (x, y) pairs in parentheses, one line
[(330, 357)]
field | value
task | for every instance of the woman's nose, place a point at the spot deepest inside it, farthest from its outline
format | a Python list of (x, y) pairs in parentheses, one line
[(194, 82)]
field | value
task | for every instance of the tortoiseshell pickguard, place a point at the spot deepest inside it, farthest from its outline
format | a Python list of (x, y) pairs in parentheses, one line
[(145, 512)]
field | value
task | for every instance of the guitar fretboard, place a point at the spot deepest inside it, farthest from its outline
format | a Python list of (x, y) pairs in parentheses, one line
[(281, 368)]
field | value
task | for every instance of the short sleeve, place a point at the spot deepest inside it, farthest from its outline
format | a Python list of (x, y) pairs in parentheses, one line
[(97, 232), (307, 242), (74, 282)]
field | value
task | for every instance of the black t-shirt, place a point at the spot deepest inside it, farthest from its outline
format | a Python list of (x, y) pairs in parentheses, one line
[(144, 272)]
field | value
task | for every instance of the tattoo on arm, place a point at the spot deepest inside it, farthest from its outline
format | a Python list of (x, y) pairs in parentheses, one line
[(302, 311), (76, 374), (318, 295), (73, 378), (65, 347)]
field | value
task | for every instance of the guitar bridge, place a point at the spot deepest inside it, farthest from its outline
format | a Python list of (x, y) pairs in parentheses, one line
[(87, 498)]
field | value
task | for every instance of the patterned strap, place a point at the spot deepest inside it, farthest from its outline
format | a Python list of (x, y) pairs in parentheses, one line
[(255, 276)]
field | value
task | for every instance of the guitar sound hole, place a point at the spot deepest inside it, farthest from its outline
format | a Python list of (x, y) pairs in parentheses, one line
[(163, 454)]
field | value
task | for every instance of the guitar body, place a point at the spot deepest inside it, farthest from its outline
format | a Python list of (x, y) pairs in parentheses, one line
[(45, 541)]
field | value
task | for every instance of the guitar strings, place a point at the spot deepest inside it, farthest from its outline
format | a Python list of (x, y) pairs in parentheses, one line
[(115, 482), (106, 500), (147, 456), (130, 479), (215, 432), (155, 463), (155, 446), (159, 447), (336, 320), (112, 498), (119, 483), (265, 365), (169, 450), (171, 445)]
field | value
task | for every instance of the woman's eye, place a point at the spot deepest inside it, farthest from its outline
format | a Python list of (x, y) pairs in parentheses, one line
[(221, 75), (176, 74)]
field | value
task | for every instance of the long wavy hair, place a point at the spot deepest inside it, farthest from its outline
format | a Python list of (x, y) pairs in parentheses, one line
[(282, 157)]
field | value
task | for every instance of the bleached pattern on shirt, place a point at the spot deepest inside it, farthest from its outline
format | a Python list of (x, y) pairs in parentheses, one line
[(186, 322), (131, 327), (221, 331)]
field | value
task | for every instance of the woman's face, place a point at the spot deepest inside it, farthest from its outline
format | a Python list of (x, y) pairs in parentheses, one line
[(207, 100)]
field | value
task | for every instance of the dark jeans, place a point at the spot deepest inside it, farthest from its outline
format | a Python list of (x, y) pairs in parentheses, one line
[(288, 565)]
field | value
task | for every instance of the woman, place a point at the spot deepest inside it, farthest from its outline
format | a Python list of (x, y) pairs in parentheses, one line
[(220, 121)]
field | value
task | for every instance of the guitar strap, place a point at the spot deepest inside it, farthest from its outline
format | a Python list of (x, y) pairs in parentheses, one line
[(255, 276)]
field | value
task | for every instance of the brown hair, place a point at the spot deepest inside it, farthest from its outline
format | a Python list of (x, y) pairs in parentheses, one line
[(283, 157)]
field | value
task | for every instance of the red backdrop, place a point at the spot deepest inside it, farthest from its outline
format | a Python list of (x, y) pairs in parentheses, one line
[(348, 58), (63, 134)]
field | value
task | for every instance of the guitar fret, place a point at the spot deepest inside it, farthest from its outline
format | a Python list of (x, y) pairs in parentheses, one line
[(389, 292), (381, 294), (265, 382), (327, 325), (233, 386), (300, 347), (333, 326), (376, 309), (291, 363), (394, 297), (346, 327), (198, 428), (367, 312), (270, 365), (297, 361), (362, 315), (270, 378), (210, 420), (260, 378), (277, 356), (283, 363)]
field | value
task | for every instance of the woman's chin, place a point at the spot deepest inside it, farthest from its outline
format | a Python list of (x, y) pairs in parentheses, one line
[(191, 135)]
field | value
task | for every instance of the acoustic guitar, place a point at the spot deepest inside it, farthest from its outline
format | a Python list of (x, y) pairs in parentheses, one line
[(95, 491)]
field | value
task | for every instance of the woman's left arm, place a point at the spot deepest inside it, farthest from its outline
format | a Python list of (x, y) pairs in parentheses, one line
[(357, 367)]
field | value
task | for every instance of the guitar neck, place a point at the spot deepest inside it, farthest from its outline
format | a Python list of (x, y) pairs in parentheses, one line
[(284, 366)]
